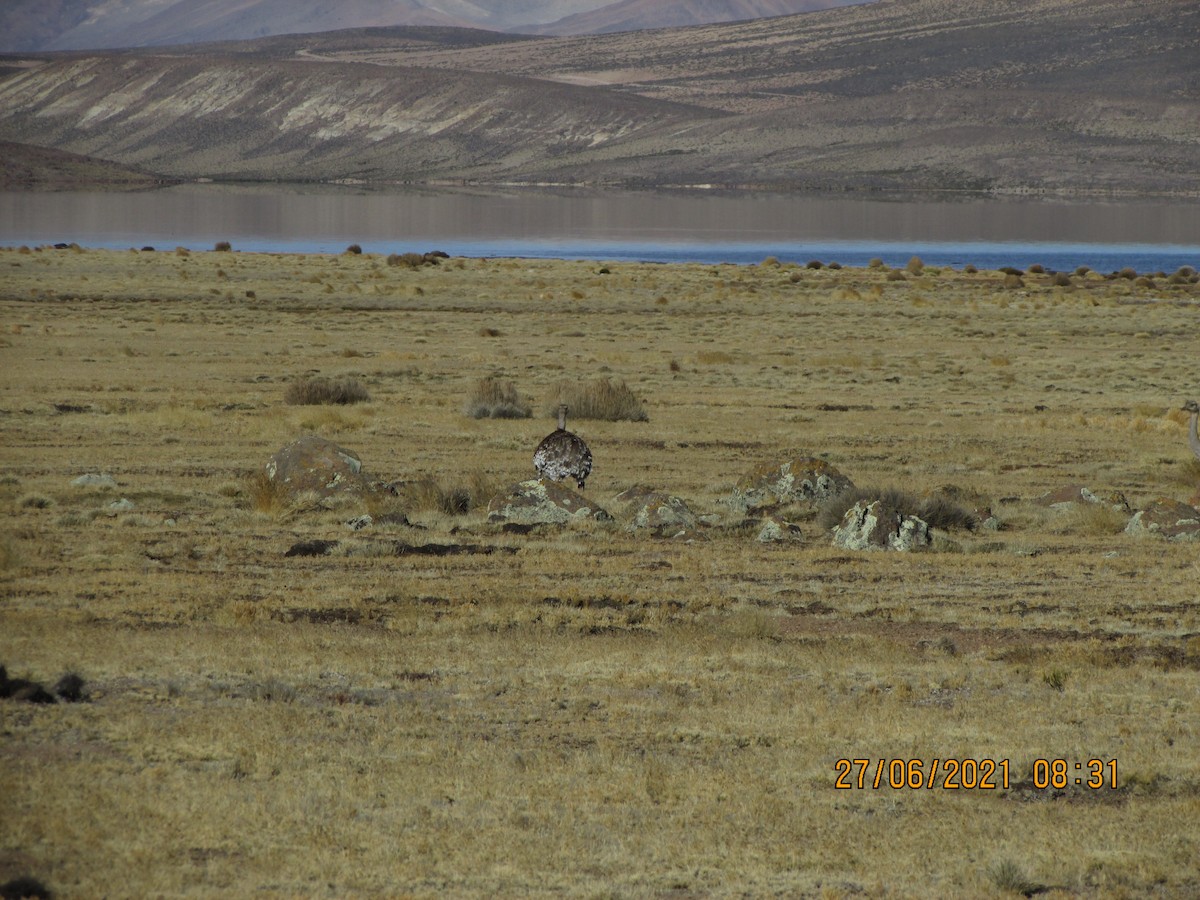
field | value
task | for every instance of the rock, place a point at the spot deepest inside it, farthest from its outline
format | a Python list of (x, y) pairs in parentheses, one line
[(538, 502), (1065, 497), (122, 505), (314, 464), (1167, 518), (876, 526), (95, 480), (774, 529), (801, 478), (656, 510)]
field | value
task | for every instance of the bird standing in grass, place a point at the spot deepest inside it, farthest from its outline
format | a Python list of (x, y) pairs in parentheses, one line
[(1193, 438), (562, 454)]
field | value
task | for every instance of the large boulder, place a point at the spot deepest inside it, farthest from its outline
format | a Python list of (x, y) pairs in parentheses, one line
[(876, 526), (538, 502), (1167, 518), (656, 510), (798, 479), (312, 464)]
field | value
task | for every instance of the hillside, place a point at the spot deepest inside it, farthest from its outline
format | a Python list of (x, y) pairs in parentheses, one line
[(901, 95), (33, 25), (635, 15)]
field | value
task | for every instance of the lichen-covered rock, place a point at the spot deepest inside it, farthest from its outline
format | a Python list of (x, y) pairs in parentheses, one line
[(1064, 498), (1167, 518), (801, 478), (95, 480), (538, 502), (656, 510), (876, 526), (314, 464), (774, 529)]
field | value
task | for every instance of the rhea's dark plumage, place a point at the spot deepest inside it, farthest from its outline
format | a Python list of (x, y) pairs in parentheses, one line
[(562, 454)]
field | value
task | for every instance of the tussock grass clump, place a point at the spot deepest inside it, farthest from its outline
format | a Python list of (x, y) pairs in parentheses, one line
[(1088, 519), (602, 399), (915, 266), (223, 246), (1061, 279), (354, 250), (1007, 876), (495, 398), (320, 391), (266, 496), (895, 275), (936, 510), (473, 490)]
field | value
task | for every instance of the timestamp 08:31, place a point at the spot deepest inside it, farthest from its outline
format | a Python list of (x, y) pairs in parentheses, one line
[(969, 774)]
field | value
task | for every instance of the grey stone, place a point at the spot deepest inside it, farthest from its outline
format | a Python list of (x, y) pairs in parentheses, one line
[(538, 502), (95, 480), (876, 526)]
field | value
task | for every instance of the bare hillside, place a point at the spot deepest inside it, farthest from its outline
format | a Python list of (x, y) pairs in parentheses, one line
[(908, 94)]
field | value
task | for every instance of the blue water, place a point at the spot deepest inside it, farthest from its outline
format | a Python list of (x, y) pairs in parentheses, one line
[(613, 226)]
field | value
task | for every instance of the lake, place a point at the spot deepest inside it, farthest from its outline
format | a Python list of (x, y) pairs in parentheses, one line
[(1148, 236)]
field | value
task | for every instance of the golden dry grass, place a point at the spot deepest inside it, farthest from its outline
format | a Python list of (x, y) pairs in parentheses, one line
[(599, 713)]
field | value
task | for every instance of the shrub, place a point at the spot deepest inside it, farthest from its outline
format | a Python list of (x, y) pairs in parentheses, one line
[(1011, 270), (969, 269), (494, 398), (1061, 279), (1128, 273), (875, 263), (320, 390), (601, 399), (223, 246), (354, 250), (266, 496), (915, 266), (814, 264), (1082, 270), (1013, 281), (475, 491), (1037, 269), (936, 510), (895, 275)]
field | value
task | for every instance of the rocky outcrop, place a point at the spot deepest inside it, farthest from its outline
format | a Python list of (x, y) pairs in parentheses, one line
[(1167, 518), (1070, 495), (877, 526), (797, 479), (775, 529), (313, 464), (537, 502), (656, 510)]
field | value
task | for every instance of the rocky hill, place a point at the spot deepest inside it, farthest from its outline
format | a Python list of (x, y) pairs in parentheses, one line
[(1010, 95)]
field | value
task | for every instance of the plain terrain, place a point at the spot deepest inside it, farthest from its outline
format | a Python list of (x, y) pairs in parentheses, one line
[(600, 712)]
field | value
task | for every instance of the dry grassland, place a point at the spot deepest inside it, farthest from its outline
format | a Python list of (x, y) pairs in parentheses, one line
[(600, 713)]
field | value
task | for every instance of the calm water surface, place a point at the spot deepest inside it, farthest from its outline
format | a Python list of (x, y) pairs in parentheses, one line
[(740, 228)]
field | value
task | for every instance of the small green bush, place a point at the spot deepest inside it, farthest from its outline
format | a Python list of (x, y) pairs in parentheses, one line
[(319, 390), (494, 398)]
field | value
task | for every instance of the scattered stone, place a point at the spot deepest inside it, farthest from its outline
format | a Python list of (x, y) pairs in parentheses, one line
[(122, 505), (21, 690), (311, 548), (1064, 498), (801, 478), (1167, 518), (538, 502), (69, 688), (656, 510), (95, 480), (360, 522), (876, 526), (775, 529), (314, 464)]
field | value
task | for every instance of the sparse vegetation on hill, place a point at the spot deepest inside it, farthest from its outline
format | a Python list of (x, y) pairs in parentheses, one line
[(914, 96)]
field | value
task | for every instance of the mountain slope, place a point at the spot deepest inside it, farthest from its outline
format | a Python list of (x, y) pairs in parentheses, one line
[(896, 95), (634, 15), (31, 25)]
